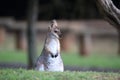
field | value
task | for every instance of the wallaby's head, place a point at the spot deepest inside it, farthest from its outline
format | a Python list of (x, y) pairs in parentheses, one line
[(54, 29)]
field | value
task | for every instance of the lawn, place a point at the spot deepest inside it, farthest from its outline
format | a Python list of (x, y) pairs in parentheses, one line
[(21, 74), (72, 59)]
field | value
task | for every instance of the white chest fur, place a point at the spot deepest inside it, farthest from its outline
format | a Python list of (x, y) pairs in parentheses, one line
[(54, 46), (55, 64)]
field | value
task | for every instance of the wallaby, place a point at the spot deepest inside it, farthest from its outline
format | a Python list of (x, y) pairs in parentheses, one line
[(50, 59)]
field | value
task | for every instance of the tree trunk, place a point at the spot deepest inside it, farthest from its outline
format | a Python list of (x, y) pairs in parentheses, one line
[(32, 17)]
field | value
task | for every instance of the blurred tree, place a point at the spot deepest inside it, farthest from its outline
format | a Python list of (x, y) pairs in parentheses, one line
[(32, 17), (112, 14)]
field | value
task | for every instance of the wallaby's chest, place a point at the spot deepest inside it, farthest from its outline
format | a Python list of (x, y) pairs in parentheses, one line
[(54, 64), (54, 45)]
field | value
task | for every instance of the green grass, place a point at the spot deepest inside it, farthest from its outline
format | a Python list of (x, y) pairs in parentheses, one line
[(21, 74), (72, 59), (94, 60), (13, 56)]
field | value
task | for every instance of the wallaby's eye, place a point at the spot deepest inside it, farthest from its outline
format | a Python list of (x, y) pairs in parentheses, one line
[(55, 31)]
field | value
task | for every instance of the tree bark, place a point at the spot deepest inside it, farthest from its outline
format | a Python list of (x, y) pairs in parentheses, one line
[(32, 17), (110, 12)]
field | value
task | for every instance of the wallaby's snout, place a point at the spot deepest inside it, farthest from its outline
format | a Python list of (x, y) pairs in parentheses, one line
[(60, 35), (57, 31)]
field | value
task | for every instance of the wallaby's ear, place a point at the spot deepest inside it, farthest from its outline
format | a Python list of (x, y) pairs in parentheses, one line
[(53, 23)]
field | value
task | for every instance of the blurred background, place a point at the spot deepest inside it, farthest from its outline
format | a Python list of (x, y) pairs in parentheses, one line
[(88, 43)]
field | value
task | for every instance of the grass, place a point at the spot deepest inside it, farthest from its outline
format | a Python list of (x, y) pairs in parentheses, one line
[(21, 74), (72, 59), (104, 61), (13, 56)]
